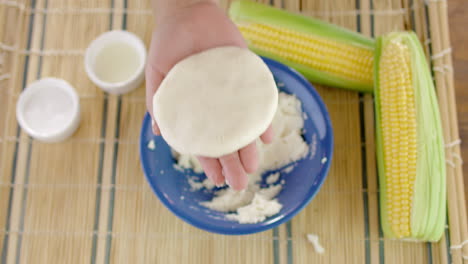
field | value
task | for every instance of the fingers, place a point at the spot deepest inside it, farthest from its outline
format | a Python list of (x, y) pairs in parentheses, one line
[(268, 135), (213, 170), (234, 171), (249, 158), (235, 167)]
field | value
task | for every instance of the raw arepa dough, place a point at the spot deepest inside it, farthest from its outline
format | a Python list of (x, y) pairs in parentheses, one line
[(215, 102)]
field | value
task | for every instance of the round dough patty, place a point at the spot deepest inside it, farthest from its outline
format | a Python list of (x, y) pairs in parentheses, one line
[(215, 102)]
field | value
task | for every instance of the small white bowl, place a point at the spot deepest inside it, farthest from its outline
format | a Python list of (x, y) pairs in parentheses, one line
[(105, 41), (49, 110)]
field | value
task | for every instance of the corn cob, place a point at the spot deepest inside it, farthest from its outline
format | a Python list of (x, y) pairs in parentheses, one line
[(322, 52), (409, 141)]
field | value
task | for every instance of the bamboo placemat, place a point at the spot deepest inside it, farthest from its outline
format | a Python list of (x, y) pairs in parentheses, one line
[(86, 201)]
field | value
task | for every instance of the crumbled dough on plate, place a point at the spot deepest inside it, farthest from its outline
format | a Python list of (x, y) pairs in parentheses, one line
[(287, 147)]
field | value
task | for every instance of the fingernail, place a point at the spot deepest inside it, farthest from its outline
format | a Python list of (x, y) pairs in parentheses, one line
[(213, 179), (153, 128), (219, 185)]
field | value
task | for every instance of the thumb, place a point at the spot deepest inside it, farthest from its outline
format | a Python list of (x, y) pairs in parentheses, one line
[(153, 80)]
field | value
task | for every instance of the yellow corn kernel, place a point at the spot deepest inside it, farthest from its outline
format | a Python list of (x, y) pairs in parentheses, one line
[(326, 55), (398, 123)]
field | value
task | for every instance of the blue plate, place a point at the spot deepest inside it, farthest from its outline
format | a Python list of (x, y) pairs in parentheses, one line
[(301, 184)]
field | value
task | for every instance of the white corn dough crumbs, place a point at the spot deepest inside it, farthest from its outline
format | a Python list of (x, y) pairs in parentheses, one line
[(272, 178), (289, 168), (271, 191), (254, 204), (188, 162), (314, 240), (178, 168), (313, 147), (151, 145), (196, 185), (228, 200), (257, 211), (208, 184), (288, 145)]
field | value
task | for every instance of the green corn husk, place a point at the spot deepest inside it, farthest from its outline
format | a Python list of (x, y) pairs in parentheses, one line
[(322, 52), (427, 202)]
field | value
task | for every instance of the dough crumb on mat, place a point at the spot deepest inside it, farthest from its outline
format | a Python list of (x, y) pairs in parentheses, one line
[(314, 240)]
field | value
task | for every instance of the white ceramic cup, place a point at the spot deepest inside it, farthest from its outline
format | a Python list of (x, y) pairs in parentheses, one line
[(101, 42), (40, 95)]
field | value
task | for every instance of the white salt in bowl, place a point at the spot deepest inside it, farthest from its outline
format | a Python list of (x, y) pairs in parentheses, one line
[(115, 61), (49, 110)]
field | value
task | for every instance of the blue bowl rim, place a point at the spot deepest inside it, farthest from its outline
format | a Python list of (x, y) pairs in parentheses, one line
[(260, 228)]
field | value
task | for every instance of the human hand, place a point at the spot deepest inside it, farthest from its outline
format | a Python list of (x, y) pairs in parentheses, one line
[(184, 31)]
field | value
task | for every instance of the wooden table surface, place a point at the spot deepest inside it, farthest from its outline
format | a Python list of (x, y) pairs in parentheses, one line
[(458, 19)]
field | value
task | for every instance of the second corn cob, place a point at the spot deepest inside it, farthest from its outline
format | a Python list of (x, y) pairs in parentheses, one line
[(410, 148), (322, 52)]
